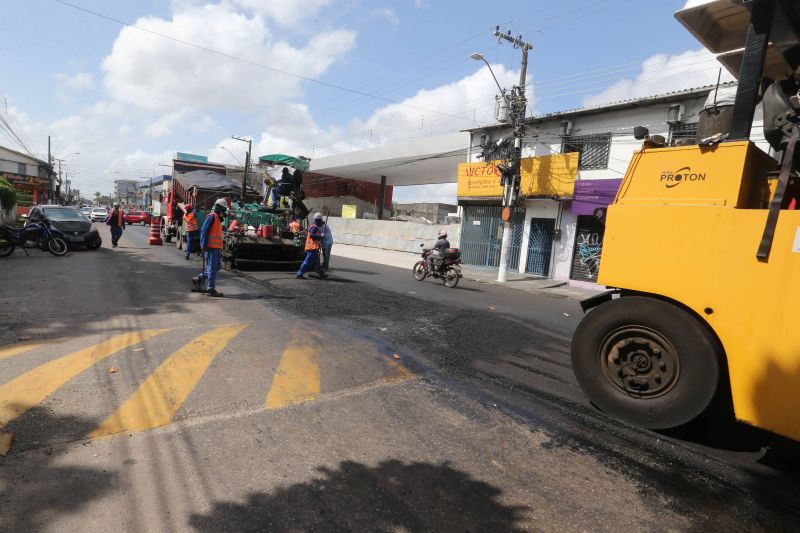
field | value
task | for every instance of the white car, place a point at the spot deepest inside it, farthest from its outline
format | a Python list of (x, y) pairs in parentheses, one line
[(99, 214), (87, 212)]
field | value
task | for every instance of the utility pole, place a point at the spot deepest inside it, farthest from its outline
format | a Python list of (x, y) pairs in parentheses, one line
[(511, 178), (246, 161)]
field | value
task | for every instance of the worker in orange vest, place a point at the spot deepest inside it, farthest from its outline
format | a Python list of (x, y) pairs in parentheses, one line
[(294, 226), (313, 244), (117, 222), (191, 227), (211, 243)]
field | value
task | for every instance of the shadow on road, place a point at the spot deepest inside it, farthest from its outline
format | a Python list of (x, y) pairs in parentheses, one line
[(36, 487), (392, 496)]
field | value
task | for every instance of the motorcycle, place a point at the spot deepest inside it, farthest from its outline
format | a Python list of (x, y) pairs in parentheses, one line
[(448, 270), (34, 235)]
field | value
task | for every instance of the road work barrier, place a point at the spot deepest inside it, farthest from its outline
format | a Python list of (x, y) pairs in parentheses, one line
[(155, 231), (390, 234)]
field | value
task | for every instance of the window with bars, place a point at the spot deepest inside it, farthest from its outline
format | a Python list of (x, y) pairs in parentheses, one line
[(678, 132), (593, 149)]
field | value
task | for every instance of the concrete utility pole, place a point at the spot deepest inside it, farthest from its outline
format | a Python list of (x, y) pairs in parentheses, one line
[(246, 161), (511, 177)]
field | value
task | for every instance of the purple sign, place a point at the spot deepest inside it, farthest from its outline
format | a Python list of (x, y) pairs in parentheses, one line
[(591, 194)]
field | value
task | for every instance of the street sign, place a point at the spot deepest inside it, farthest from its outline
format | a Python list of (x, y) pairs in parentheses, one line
[(191, 158)]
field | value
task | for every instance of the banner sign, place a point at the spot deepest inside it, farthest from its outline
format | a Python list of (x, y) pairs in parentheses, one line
[(591, 194), (549, 175), (348, 211)]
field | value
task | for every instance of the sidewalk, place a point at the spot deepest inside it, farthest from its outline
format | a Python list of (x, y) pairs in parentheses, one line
[(516, 280)]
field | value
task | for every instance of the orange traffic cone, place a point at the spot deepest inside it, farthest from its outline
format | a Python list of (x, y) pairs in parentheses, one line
[(155, 231)]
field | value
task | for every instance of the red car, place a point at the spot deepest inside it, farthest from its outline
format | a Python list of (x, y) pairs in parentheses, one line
[(137, 217)]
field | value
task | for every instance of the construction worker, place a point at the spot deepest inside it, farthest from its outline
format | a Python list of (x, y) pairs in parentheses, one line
[(211, 244), (116, 220), (191, 227), (316, 235), (294, 226)]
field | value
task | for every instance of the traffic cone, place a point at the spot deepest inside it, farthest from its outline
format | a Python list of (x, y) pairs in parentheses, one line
[(155, 231)]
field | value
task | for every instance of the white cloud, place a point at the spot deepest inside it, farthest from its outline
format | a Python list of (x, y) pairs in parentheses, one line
[(156, 74), (661, 74), (282, 11), (388, 14), (76, 82)]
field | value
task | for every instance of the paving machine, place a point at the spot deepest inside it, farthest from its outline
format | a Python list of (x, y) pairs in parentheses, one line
[(702, 248)]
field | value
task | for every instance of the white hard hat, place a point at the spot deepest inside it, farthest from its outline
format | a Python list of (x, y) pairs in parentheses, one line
[(317, 216), (222, 202)]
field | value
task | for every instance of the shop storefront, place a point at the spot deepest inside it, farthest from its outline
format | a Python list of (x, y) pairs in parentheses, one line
[(590, 195), (546, 181)]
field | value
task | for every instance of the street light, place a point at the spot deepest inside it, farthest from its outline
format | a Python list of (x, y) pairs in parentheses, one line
[(477, 56), (233, 156)]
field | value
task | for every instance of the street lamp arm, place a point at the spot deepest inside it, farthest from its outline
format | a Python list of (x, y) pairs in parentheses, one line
[(479, 57)]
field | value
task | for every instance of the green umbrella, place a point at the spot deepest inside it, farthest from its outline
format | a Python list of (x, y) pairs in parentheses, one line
[(286, 160)]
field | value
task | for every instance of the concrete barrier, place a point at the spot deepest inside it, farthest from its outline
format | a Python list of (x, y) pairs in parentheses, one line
[(389, 234)]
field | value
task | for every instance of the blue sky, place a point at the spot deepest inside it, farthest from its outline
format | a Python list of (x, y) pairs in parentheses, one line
[(127, 99)]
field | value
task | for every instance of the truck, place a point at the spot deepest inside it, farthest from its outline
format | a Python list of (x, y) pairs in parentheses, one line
[(702, 319)]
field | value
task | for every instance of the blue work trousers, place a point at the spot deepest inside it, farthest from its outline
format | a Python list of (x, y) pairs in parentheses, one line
[(311, 261), (191, 238), (213, 264), (116, 233), (326, 256)]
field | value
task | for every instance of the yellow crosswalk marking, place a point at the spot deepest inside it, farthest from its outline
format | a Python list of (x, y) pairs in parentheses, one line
[(27, 390), (15, 349), (160, 396), (297, 377)]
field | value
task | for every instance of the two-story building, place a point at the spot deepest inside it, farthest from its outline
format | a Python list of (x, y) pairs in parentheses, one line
[(555, 233), (32, 178)]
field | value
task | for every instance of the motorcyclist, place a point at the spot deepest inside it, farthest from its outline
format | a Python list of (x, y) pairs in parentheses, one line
[(438, 250)]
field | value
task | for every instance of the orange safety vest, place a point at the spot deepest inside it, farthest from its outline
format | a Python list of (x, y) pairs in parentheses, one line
[(119, 217), (294, 227), (312, 244), (190, 221), (215, 235)]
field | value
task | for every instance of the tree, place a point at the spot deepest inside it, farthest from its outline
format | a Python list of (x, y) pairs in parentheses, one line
[(97, 196)]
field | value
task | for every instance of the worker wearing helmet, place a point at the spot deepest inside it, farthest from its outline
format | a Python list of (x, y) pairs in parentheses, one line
[(116, 220), (314, 240), (439, 248), (191, 227), (211, 244)]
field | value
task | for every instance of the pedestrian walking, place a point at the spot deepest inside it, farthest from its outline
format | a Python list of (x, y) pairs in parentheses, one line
[(316, 235), (211, 244), (327, 245), (116, 220), (191, 227)]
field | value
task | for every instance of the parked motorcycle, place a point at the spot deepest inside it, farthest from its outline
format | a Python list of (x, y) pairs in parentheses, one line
[(448, 270), (34, 235)]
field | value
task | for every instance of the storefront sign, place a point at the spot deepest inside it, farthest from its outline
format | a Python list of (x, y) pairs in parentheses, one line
[(26, 181), (591, 194), (551, 175)]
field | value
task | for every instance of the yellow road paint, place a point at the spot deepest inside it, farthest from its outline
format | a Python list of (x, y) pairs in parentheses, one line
[(297, 378), (27, 390), (22, 347), (401, 373), (160, 396)]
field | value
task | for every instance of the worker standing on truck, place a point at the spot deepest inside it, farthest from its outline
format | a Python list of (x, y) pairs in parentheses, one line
[(211, 244), (117, 222), (294, 226), (191, 227), (316, 235)]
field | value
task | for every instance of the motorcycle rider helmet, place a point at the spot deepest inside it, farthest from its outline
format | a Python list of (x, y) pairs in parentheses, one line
[(442, 234)]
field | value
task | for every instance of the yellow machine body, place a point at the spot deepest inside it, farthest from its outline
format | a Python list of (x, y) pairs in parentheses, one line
[(685, 226)]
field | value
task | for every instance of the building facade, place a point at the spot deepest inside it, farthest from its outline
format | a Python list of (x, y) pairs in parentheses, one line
[(32, 178), (558, 236)]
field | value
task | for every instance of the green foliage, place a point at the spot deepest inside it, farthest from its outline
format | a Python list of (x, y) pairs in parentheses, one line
[(8, 194)]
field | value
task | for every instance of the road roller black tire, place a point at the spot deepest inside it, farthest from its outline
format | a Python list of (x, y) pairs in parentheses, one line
[(647, 361)]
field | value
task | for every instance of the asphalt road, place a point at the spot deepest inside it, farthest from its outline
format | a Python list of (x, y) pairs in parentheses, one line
[(367, 402)]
